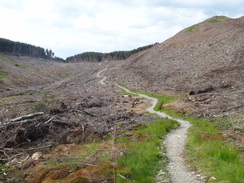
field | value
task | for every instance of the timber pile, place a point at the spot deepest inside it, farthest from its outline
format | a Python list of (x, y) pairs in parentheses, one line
[(40, 132)]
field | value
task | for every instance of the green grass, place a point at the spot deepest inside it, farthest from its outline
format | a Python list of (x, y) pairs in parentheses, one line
[(22, 66), (122, 84), (172, 113), (125, 92), (162, 99), (143, 159), (226, 123), (190, 29), (3, 169), (208, 152), (223, 17), (3, 74), (66, 76), (214, 20), (2, 58)]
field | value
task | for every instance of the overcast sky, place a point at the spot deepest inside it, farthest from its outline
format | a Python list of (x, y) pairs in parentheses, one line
[(69, 27)]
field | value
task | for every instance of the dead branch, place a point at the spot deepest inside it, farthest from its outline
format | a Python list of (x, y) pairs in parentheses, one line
[(83, 111), (49, 120), (29, 116)]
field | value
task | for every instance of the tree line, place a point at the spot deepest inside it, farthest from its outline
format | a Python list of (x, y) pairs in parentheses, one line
[(18, 48), (98, 57)]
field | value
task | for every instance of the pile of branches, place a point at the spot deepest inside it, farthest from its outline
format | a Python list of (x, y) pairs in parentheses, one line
[(38, 132), (29, 133)]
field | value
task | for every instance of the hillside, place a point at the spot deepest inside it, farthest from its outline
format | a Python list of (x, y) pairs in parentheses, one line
[(206, 60)]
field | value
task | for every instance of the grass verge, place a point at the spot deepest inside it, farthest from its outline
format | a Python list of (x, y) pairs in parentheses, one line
[(207, 151), (143, 157), (162, 99), (125, 92)]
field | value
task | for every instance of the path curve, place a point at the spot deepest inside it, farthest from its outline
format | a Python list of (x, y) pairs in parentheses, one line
[(174, 143), (99, 76)]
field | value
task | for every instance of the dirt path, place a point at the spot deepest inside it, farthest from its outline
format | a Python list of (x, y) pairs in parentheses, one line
[(174, 143), (99, 76)]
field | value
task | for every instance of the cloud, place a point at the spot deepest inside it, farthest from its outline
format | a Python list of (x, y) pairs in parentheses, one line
[(70, 27)]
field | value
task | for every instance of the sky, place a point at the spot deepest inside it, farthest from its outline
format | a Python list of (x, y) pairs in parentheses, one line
[(70, 27)]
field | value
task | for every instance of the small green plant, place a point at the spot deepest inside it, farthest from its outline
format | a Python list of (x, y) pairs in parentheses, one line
[(3, 74), (3, 169), (46, 104), (65, 76)]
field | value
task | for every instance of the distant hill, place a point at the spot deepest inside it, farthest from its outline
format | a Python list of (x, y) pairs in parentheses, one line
[(23, 49), (98, 57)]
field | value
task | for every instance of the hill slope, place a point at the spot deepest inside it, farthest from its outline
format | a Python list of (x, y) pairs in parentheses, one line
[(207, 58)]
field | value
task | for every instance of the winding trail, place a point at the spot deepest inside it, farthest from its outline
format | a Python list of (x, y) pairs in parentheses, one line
[(99, 76), (174, 142)]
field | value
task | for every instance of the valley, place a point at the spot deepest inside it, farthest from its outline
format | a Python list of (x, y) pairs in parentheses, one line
[(81, 118)]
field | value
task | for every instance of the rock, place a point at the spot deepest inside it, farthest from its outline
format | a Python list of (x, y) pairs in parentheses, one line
[(212, 178), (37, 156)]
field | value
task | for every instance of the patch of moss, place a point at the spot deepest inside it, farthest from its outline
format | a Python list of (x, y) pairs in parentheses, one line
[(22, 66), (65, 76), (190, 29), (213, 20), (2, 58), (3, 74)]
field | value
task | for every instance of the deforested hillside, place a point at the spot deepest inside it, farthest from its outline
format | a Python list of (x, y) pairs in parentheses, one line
[(88, 121), (205, 60)]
